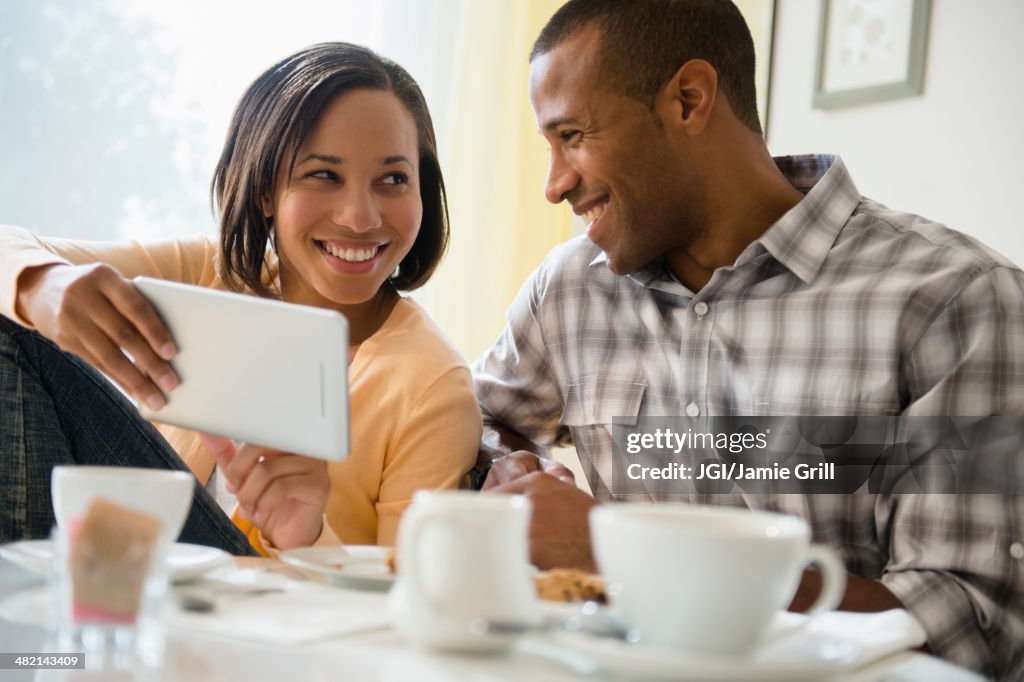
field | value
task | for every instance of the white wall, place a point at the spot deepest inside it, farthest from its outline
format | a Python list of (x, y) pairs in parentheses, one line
[(953, 154)]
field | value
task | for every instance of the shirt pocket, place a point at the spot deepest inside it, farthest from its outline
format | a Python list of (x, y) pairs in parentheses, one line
[(600, 400)]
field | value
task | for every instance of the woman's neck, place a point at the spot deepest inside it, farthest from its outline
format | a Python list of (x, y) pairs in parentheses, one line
[(364, 319)]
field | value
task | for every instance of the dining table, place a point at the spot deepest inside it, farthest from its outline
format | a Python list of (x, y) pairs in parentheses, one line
[(262, 644)]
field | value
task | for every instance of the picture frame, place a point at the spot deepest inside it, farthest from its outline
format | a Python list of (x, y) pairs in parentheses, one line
[(870, 51)]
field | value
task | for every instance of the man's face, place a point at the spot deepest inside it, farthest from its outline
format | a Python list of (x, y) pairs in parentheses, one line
[(610, 158)]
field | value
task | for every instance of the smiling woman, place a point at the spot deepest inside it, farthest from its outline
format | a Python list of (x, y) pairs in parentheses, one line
[(349, 210), (330, 194)]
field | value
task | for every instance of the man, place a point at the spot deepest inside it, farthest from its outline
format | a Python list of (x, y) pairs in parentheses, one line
[(716, 281)]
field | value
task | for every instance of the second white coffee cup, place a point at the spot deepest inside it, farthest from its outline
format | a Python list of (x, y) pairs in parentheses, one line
[(706, 580), (463, 561)]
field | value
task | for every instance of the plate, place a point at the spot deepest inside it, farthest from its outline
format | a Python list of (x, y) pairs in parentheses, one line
[(185, 561), (363, 567), (795, 647)]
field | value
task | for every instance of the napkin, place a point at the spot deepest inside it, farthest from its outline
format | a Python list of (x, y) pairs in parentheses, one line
[(795, 647), (856, 638), (301, 612)]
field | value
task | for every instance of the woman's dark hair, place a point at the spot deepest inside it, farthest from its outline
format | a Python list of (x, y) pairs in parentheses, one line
[(273, 118)]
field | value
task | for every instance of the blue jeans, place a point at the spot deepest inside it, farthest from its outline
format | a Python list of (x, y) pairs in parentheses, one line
[(56, 409)]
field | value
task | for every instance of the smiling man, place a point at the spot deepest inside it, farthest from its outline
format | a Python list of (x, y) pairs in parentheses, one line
[(715, 281)]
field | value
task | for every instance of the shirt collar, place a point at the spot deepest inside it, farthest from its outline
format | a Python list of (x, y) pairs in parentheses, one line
[(801, 239), (654, 275)]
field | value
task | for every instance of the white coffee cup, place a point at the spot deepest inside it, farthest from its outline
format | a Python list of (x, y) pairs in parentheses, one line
[(463, 560), (165, 495), (706, 580)]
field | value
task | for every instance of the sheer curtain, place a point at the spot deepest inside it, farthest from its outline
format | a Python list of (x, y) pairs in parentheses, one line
[(495, 163), (113, 113)]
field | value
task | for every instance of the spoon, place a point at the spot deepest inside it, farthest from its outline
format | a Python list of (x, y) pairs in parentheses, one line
[(199, 601), (590, 620)]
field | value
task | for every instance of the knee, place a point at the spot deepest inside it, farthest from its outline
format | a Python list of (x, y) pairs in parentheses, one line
[(8, 329), (11, 330), (13, 342), (8, 326)]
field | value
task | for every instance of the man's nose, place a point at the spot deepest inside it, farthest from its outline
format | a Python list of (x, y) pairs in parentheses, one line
[(562, 178)]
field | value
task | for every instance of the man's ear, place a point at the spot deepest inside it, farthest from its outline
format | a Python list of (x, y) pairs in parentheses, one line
[(686, 101)]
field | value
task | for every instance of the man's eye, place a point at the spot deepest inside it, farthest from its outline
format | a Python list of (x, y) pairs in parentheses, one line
[(569, 135), (395, 179)]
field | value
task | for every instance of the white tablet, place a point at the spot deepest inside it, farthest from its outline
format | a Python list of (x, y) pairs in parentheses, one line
[(265, 372)]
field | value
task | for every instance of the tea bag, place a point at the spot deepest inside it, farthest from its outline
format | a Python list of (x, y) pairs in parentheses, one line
[(110, 560)]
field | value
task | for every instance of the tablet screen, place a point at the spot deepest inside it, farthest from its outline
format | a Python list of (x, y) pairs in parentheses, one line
[(265, 372)]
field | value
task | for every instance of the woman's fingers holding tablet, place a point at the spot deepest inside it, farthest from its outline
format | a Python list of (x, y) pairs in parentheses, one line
[(235, 463), (95, 313), (283, 494), (221, 449), (134, 330)]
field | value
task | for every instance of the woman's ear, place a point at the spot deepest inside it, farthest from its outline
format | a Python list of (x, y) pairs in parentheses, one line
[(686, 101), (267, 206)]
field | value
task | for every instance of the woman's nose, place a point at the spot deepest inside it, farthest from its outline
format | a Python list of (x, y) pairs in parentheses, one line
[(358, 211)]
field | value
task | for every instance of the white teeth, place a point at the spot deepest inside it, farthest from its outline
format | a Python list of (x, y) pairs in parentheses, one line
[(595, 213), (350, 255)]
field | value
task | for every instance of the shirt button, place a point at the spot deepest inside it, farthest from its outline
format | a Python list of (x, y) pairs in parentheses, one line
[(692, 410), (701, 308), (1017, 550)]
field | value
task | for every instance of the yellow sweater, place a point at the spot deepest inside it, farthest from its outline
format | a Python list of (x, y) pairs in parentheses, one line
[(414, 424)]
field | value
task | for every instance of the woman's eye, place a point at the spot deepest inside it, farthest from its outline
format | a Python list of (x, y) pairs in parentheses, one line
[(395, 179), (323, 175)]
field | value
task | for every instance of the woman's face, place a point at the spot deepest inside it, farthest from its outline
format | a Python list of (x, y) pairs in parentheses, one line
[(351, 209)]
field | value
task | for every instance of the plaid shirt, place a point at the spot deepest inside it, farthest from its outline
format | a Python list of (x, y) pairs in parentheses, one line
[(843, 307)]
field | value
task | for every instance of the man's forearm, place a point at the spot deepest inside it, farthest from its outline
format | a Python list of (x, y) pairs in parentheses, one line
[(862, 594), (499, 440)]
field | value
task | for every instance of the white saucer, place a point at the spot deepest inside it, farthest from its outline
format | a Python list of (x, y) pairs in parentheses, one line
[(184, 561), (797, 648), (365, 566)]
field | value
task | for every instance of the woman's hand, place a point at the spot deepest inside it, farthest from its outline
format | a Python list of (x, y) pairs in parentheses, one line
[(283, 494), (95, 313)]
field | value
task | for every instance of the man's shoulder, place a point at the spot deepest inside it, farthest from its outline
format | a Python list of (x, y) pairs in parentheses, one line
[(905, 252), (913, 241)]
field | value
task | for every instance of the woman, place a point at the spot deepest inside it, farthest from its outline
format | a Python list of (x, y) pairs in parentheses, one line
[(329, 194)]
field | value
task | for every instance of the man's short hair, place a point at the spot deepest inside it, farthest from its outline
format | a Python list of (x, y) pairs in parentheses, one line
[(644, 42)]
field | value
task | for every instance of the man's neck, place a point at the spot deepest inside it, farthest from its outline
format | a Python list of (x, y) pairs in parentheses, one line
[(743, 201)]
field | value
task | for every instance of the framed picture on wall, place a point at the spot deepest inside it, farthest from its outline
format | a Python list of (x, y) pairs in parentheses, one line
[(870, 51)]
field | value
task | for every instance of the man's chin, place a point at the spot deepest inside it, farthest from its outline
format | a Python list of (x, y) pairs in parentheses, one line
[(614, 266), (622, 266), (619, 263)]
